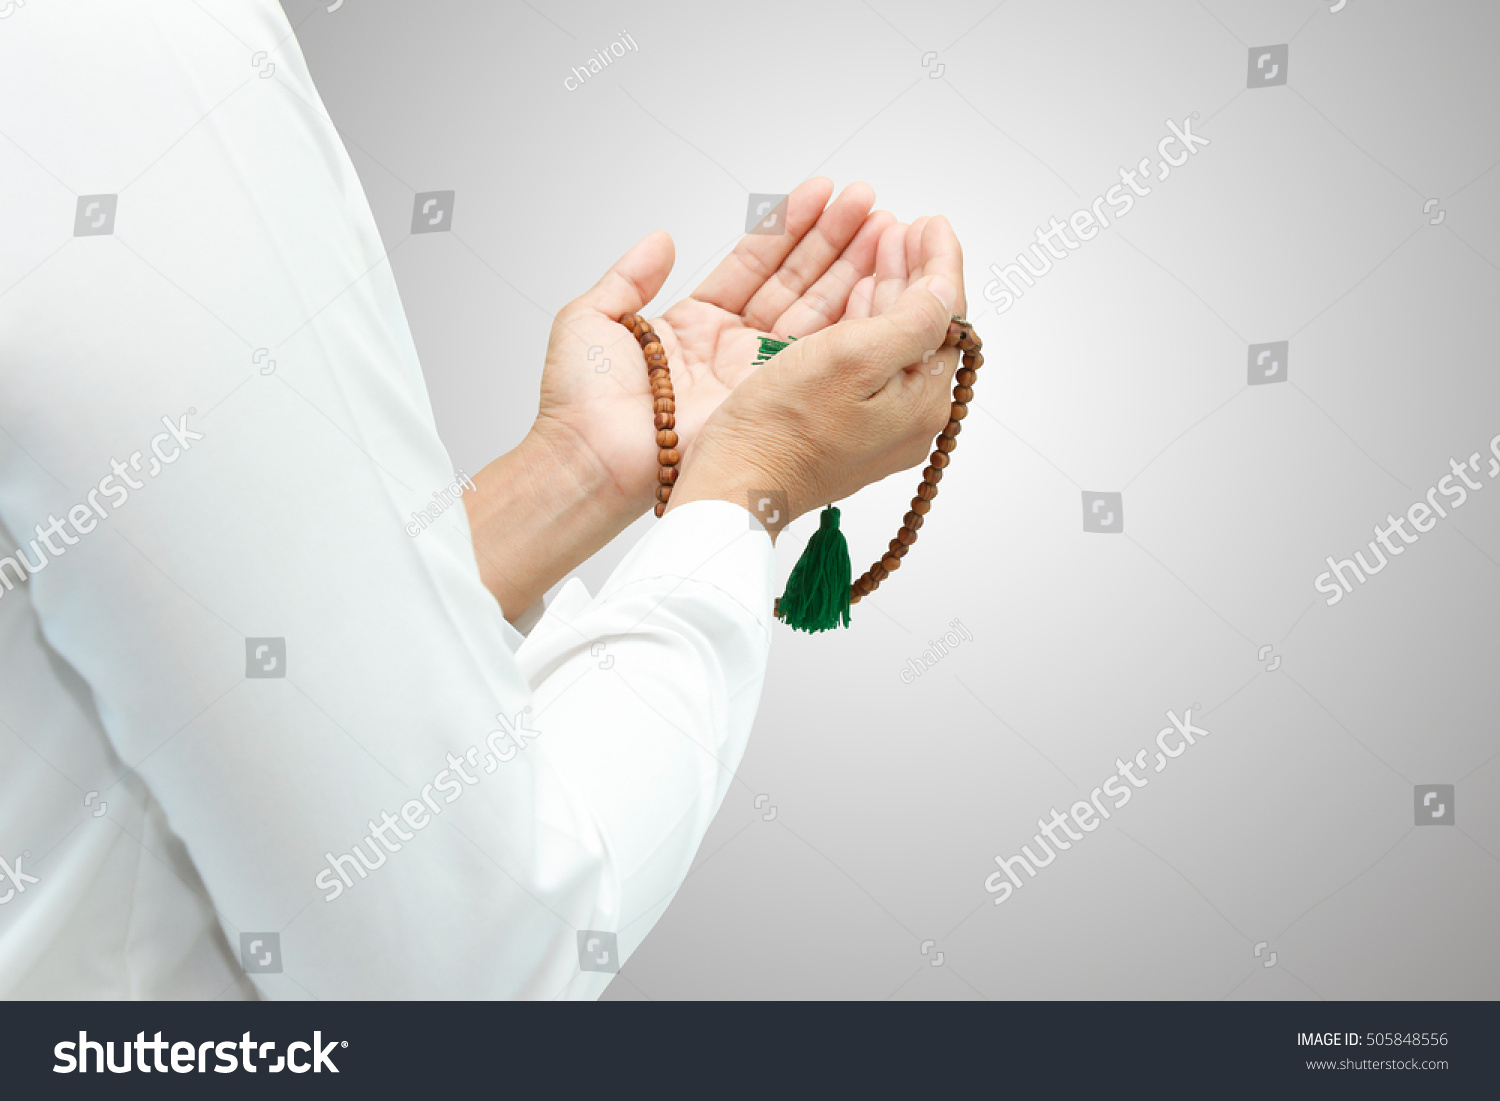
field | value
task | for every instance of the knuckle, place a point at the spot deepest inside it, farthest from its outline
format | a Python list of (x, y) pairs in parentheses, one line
[(898, 344), (570, 313)]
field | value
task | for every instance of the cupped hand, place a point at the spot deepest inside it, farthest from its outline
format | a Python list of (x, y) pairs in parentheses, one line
[(835, 261), (851, 403)]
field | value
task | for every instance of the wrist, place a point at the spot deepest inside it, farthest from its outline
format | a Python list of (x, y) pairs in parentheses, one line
[(539, 511), (739, 482)]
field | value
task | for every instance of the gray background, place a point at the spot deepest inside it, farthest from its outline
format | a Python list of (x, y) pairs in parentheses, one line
[(1124, 370)]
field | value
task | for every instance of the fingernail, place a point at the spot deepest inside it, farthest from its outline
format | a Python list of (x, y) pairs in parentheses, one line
[(945, 291)]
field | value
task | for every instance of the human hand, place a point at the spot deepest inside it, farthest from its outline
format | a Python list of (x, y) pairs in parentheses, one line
[(851, 403), (822, 270)]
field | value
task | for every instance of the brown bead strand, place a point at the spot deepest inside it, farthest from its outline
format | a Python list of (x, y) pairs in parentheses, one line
[(663, 407), (962, 336)]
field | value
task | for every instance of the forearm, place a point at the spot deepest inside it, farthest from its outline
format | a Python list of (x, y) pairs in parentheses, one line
[(539, 511)]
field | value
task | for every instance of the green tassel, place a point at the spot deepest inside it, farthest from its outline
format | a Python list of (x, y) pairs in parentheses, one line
[(769, 346), (817, 592)]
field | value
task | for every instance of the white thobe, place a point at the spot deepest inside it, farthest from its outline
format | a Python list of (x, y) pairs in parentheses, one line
[(256, 738)]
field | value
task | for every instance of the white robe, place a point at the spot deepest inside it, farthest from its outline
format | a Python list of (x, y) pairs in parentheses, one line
[(185, 820)]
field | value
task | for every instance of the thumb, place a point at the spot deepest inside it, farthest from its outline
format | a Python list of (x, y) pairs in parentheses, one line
[(634, 279), (915, 324)]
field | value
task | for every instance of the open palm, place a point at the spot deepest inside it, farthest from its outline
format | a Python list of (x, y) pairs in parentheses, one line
[(834, 261)]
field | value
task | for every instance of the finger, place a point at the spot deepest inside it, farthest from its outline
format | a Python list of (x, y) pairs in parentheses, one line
[(943, 255), (861, 299), (758, 255), (823, 303), (932, 248), (835, 228), (634, 280), (914, 249), (875, 349), (890, 267)]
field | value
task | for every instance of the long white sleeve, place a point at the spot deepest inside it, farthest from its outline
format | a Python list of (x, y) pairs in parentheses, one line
[(242, 777)]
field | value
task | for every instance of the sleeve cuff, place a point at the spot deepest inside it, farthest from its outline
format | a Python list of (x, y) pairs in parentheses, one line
[(711, 542)]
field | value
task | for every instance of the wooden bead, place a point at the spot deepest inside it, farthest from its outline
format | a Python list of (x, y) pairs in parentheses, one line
[(662, 388), (912, 520), (906, 536), (964, 394), (899, 548), (654, 373), (879, 573), (653, 348), (921, 506), (660, 508), (959, 411), (966, 376), (938, 459), (668, 456), (663, 405), (932, 475), (946, 444), (667, 475), (973, 361), (663, 494), (891, 563), (666, 438), (927, 491), (664, 420), (865, 586), (953, 429), (951, 337)]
